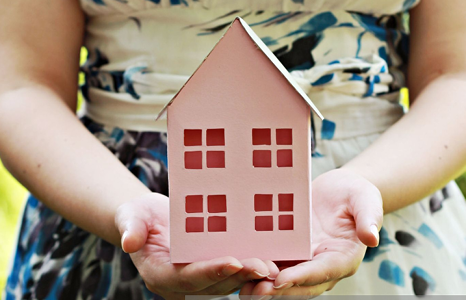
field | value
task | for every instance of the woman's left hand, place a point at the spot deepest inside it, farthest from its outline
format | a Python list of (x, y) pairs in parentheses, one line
[(347, 214)]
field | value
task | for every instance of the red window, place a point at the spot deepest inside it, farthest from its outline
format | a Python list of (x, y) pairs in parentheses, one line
[(265, 146), (212, 149), (267, 214), (193, 137), (213, 212)]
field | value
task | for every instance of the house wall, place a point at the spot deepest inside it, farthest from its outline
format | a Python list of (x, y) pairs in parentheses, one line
[(237, 88)]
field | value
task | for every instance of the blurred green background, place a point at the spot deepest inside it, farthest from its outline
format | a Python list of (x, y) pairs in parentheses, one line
[(13, 195)]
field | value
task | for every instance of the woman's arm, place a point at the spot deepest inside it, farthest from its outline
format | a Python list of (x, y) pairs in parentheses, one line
[(426, 148), (415, 157), (42, 143), (50, 152)]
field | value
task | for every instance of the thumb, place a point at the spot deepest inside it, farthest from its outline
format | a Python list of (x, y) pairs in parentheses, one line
[(133, 230), (367, 210)]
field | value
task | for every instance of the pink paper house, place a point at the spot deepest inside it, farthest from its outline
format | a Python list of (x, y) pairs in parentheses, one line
[(239, 155)]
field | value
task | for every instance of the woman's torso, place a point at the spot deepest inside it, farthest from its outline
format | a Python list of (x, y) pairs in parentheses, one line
[(142, 52)]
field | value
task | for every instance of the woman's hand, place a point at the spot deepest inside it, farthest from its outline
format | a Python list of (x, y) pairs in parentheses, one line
[(144, 227), (347, 214)]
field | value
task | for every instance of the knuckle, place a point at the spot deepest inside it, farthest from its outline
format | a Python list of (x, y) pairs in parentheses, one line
[(332, 285), (215, 275)]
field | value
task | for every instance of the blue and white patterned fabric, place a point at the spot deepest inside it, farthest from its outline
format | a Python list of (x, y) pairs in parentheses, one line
[(347, 55)]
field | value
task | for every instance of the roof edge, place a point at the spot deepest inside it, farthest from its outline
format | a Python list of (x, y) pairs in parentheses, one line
[(269, 55), (279, 65)]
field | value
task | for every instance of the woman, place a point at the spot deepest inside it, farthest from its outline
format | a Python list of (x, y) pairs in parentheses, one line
[(141, 52)]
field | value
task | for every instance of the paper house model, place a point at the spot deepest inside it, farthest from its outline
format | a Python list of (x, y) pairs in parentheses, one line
[(239, 157)]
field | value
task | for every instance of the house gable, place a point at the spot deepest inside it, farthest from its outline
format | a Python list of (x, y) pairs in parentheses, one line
[(240, 25)]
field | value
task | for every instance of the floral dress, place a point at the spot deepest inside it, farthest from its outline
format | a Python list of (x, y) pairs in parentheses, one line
[(348, 56)]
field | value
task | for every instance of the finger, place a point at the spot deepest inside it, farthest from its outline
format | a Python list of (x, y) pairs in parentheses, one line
[(246, 291), (325, 266), (254, 269), (132, 227), (273, 270), (264, 288), (367, 209), (193, 277)]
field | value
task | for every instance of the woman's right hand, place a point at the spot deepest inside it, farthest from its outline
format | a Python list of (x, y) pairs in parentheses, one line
[(144, 227)]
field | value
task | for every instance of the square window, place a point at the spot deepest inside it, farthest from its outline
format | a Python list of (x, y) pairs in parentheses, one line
[(262, 202), (284, 137), (262, 158), (285, 202), (264, 223), (193, 137), (194, 204), (193, 159), (217, 224), (217, 203), (285, 222), (261, 136), (215, 137), (194, 224), (215, 159), (285, 158)]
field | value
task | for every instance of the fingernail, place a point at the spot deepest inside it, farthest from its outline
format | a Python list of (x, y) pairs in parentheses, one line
[(231, 269), (261, 275), (271, 278), (266, 298), (284, 286), (125, 234), (375, 232)]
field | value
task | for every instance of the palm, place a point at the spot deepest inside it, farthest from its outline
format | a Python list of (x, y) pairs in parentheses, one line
[(334, 229), (145, 222), (156, 249), (346, 211)]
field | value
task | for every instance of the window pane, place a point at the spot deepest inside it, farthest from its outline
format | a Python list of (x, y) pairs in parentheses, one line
[(285, 202), (217, 224), (215, 159), (215, 137), (193, 160), (284, 137), (194, 204), (194, 224), (263, 202), (285, 158), (216, 203), (285, 222), (261, 136), (264, 223), (262, 158), (193, 137)]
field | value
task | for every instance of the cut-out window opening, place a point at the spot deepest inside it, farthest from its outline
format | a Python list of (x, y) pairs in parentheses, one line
[(193, 159), (262, 158), (217, 204), (211, 220), (265, 151), (216, 137), (193, 137), (284, 136), (263, 202), (261, 136), (194, 204), (266, 215), (197, 150)]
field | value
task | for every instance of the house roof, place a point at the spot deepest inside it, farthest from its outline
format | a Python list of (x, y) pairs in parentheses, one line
[(272, 58)]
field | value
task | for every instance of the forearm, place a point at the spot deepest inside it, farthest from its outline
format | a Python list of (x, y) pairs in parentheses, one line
[(47, 149), (424, 150)]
